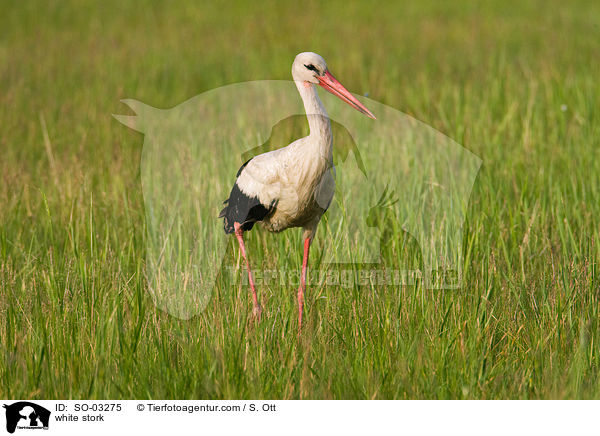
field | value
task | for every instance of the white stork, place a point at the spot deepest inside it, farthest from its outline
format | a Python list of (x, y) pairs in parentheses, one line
[(292, 186)]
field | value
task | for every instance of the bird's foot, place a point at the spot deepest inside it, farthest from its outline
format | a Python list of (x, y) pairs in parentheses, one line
[(257, 312)]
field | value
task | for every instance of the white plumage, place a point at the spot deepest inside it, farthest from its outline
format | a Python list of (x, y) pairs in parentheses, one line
[(292, 186)]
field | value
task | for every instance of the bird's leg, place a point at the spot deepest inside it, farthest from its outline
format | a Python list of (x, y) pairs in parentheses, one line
[(302, 287), (257, 310)]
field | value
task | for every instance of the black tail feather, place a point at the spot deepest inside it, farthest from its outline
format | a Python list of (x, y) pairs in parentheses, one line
[(243, 209)]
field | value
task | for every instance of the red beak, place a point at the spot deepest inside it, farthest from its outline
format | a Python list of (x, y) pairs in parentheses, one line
[(330, 83)]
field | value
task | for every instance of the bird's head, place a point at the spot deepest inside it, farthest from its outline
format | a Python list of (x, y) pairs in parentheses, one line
[(311, 69)]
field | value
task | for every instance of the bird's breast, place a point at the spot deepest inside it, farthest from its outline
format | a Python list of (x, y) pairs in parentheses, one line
[(305, 198)]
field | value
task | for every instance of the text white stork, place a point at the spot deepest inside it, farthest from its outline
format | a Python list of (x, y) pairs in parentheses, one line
[(292, 186)]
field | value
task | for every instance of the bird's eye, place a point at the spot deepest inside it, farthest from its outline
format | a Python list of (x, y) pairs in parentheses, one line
[(312, 68)]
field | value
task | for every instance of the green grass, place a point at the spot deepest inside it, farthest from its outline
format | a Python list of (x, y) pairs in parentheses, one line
[(516, 84)]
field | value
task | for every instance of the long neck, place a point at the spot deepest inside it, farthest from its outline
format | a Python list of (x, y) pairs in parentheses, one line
[(318, 120)]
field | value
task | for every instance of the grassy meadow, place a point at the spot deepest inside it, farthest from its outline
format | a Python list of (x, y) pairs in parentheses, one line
[(516, 83)]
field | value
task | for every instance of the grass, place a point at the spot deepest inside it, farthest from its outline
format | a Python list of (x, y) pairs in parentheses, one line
[(516, 84)]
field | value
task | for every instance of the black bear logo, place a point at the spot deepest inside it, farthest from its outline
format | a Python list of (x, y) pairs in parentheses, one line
[(30, 413)]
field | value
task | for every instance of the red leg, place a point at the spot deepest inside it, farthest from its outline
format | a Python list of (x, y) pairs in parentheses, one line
[(257, 310), (302, 287)]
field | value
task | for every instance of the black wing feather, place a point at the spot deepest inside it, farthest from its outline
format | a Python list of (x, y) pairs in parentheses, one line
[(242, 208)]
